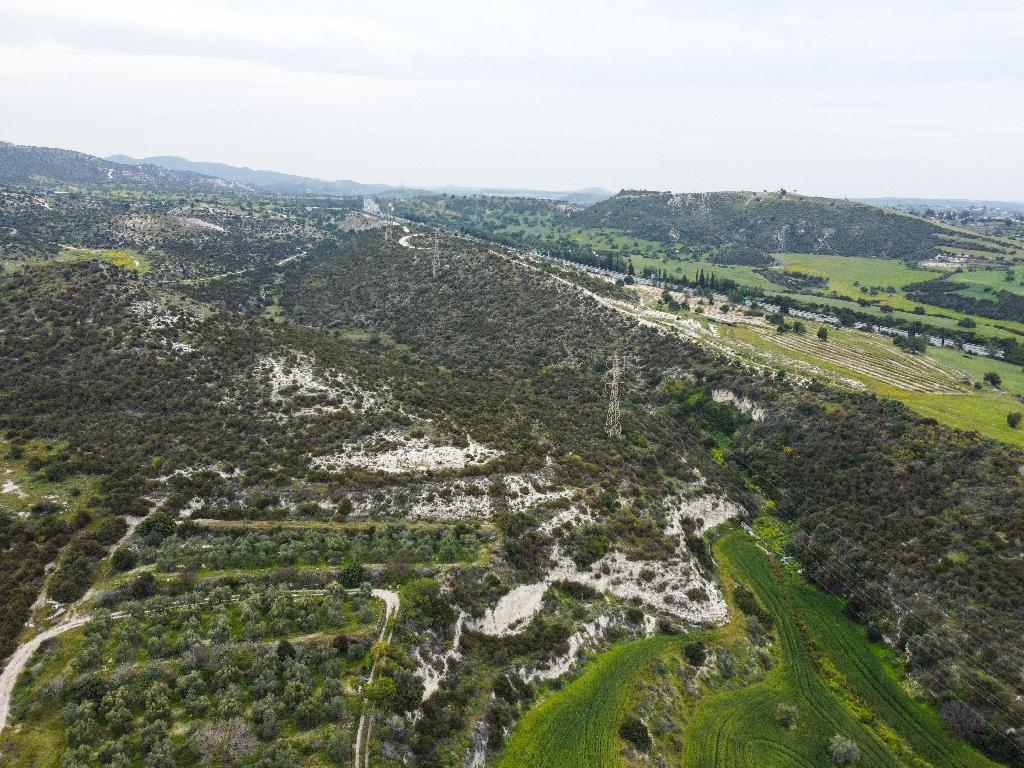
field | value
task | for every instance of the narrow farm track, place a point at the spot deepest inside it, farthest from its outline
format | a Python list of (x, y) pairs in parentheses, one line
[(391, 605), (18, 659), (755, 752)]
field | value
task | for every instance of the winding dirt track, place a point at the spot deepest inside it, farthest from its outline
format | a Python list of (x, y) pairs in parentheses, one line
[(16, 663), (20, 658)]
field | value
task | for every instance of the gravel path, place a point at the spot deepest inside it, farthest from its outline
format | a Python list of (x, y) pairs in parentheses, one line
[(20, 658)]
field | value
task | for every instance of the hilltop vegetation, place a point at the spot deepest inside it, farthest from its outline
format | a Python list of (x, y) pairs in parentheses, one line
[(747, 225)]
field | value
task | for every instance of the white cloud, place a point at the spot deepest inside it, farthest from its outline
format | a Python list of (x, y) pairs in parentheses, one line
[(851, 98)]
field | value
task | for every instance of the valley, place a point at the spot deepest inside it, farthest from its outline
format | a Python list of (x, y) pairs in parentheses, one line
[(499, 481)]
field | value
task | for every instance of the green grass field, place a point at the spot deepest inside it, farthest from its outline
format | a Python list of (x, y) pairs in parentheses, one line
[(864, 701), (979, 279), (854, 276), (976, 367), (735, 726), (849, 276), (579, 725)]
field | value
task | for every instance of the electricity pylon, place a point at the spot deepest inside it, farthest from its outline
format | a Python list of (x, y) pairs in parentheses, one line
[(613, 421), (435, 259)]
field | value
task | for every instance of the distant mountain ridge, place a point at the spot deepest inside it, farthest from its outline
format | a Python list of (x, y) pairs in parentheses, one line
[(273, 181), (292, 184), (48, 167)]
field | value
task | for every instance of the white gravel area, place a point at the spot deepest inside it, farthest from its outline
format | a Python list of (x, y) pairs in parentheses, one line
[(404, 453), (301, 376)]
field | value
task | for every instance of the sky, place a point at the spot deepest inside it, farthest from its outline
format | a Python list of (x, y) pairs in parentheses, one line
[(845, 99)]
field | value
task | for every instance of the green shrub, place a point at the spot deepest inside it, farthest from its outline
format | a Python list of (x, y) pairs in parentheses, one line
[(696, 653), (123, 559), (785, 715), (156, 527), (635, 732), (844, 751)]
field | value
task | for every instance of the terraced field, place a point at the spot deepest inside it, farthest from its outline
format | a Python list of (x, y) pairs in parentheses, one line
[(873, 357)]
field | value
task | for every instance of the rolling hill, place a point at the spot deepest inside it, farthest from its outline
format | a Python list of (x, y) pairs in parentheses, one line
[(747, 227), (290, 488), (45, 167)]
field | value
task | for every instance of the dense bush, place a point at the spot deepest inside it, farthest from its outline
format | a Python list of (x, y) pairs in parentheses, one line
[(635, 732)]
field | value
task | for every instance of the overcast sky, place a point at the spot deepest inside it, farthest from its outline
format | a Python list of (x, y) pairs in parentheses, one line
[(837, 98)]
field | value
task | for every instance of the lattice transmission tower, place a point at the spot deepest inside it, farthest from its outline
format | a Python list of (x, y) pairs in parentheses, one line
[(613, 421), (435, 257), (781, 237)]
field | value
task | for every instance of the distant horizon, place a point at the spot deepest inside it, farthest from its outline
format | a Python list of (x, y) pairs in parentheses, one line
[(530, 188), (535, 187), (909, 99)]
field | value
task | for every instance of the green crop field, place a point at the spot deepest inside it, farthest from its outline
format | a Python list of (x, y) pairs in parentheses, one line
[(875, 682), (738, 728), (995, 279), (579, 725), (735, 726), (856, 277), (933, 384), (864, 702)]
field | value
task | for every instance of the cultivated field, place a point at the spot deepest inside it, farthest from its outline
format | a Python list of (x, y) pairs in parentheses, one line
[(729, 724), (864, 702), (871, 357), (578, 726)]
